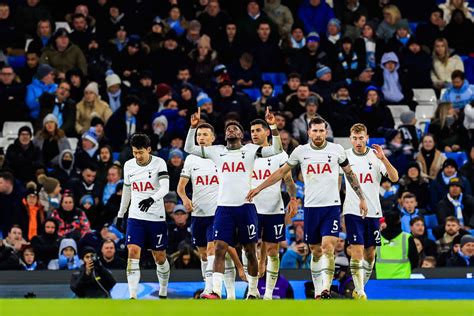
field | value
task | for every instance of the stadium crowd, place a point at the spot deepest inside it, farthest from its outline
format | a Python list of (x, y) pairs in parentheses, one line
[(114, 68)]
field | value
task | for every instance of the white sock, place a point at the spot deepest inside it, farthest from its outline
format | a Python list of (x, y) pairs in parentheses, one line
[(357, 272), (133, 276), (163, 273), (203, 269), (229, 277), (327, 270), (315, 267), (273, 266), (209, 269), (217, 278), (245, 264), (368, 267), (253, 283)]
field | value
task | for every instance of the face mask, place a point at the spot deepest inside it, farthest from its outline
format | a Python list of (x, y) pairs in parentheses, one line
[(450, 120), (66, 164), (158, 130)]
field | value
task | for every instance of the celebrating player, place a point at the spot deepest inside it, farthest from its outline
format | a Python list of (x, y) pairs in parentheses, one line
[(234, 215), (146, 182), (205, 184), (363, 229), (320, 161), (269, 204)]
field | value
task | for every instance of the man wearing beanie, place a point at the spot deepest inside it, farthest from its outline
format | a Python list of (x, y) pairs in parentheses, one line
[(465, 255), (22, 157), (163, 94), (409, 132), (43, 82), (440, 185), (50, 193), (90, 106), (457, 203), (306, 60)]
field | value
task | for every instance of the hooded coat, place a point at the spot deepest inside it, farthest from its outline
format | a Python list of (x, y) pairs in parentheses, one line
[(46, 246), (62, 262)]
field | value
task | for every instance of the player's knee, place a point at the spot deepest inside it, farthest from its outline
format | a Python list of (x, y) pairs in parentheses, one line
[(220, 251), (357, 252), (327, 249), (133, 252), (369, 256), (272, 250), (159, 256)]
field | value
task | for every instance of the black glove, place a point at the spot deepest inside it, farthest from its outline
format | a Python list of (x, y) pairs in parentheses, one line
[(145, 204), (120, 223)]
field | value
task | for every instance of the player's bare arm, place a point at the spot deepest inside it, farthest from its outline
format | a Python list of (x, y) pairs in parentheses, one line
[(354, 182), (392, 173), (276, 146), (190, 147), (291, 189), (181, 190), (274, 178)]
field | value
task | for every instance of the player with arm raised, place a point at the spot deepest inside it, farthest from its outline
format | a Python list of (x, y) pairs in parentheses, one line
[(319, 161), (269, 204), (146, 182), (362, 229), (234, 215)]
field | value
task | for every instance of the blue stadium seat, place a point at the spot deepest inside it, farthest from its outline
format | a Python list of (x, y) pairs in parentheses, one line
[(253, 93), (277, 89), (431, 221), (430, 234), (116, 156), (376, 140), (277, 78), (460, 157), (469, 68), (16, 61), (413, 26), (471, 232)]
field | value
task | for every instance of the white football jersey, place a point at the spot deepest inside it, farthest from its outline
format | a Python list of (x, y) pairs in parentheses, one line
[(268, 201), (369, 170), (203, 175), (144, 181), (320, 168)]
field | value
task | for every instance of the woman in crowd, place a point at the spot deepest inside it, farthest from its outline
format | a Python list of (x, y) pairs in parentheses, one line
[(429, 157), (51, 141), (444, 63), (73, 222)]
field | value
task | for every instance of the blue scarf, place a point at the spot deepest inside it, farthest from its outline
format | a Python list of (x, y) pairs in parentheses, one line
[(58, 112), (114, 100), (446, 178), (466, 258), (296, 44), (120, 45), (31, 267), (458, 208)]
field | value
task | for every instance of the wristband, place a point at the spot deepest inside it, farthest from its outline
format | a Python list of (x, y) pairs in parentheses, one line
[(273, 126)]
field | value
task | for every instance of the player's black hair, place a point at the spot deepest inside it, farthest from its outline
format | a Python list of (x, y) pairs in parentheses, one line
[(318, 120), (232, 122), (260, 122), (206, 125), (140, 141)]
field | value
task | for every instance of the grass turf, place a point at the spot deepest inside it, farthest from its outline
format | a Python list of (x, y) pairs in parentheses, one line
[(70, 307)]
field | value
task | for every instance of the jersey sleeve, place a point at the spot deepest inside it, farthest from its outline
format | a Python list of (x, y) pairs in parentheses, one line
[(294, 159), (342, 156), (163, 170), (126, 174), (186, 171), (382, 168), (283, 158)]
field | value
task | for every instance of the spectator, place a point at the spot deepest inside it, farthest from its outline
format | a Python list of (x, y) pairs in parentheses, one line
[(295, 40), (280, 15), (391, 84), (410, 133), (350, 10), (11, 195), (400, 38), (306, 60), (175, 21), (42, 83), (114, 95), (440, 186), (28, 260), (93, 280), (155, 36), (86, 184), (429, 158), (418, 230), (78, 82), (105, 161), (82, 32), (249, 22), (61, 106), (391, 17), (175, 118), (427, 33), (369, 47), (33, 214), (109, 257), (63, 55), (22, 157), (245, 73), (91, 104), (300, 124), (399, 154), (67, 258), (295, 104), (123, 123), (64, 170), (266, 99), (168, 60), (315, 15), (186, 258), (450, 6), (51, 141), (428, 262), (12, 96), (417, 184), (46, 244), (266, 50), (231, 46), (447, 129), (203, 60), (459, 93), (363, 80), (444, 63), (50, 193), (73, 222), (15, 238), (97, 237), (44, 31), (409, 210), (175, 164), (29, 14), (213, 20), (458, 204), (296, 256), (467, 170), (114, 176), (465, 255), (374, 113), (354, 28), (119, 41), (180, 231), (289, 143), (348, 65), (228, 100), (130, 61), (416, 65), (446, 242)]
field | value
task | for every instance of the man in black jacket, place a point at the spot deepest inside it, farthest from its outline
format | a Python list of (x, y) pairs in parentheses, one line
[(12, 96), (92, 280), (46, 245), (464, 257), (457, 204)]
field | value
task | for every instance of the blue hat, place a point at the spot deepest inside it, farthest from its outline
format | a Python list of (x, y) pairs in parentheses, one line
[(322, 71), (335, 22), (342, 235), (87, 199), (371, 88), (176, 152), (202, 99), (313, 37)]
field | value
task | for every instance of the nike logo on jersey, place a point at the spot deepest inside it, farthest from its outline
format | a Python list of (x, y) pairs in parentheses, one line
[(222, 155), (306, 158), (194, 169)]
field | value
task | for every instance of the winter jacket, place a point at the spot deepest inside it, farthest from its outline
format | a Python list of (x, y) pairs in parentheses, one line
[(468, 116), (407, 217), (23, 161), (385, 31), (445, 208), (46, 246), (448, 10), (85, 112), (448, 136), (62, 143), (416, 69), (64, 263), (459, 97), (67, 110), (72, 57), (315, 18), (60, 172), (439, 190), (96, 285), (33, 93), (441, 73), (11, 207), (343, 115), (12, 99), (459, 261), (281, 15), (72, 224), (293, 260), (116, 129), (436, 164), (391, 88)]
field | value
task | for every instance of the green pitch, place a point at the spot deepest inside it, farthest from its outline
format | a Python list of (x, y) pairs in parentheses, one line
[(64, 307)]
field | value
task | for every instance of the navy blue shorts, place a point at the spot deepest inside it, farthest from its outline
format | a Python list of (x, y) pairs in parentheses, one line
[(236, 224), (320, 222), (362, 231), (147, 234), (271, 227), (202, 230)]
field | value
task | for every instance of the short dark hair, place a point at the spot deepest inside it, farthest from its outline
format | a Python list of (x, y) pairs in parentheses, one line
[(7, 176), (318, 120), (15, 226), (294, 75), (232, 122), (78, 16), (206, 125), (266, 82), (140, 141), (458, 74), (263, 22), (303, 84), (417, 219), (259, 122), (91, 166), (409, 195), (131, 99), (452, 219)]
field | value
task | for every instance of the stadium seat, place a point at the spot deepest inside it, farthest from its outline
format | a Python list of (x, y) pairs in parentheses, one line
[(460, 157), (343, 141), (376, 140), (431, 221), (16, 62), (397, 110), (277, 89), (413, 26), (277, 78), (423, 114), (63, 24), (116, 156), (4, 143), (10, 129), (253, 93), (425, 96), (73, 143), (429, 232)]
